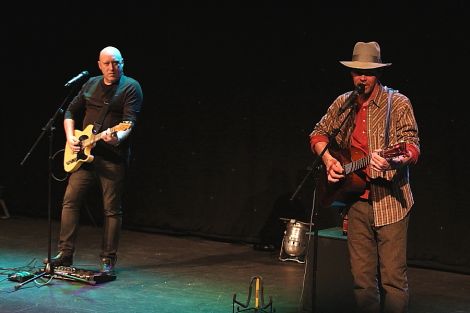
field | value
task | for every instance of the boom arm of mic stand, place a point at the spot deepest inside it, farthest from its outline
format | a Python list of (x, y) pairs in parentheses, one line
[(48, 127), (315, 166)]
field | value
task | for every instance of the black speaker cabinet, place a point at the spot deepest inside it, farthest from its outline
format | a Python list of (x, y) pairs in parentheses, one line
[(334, 287)]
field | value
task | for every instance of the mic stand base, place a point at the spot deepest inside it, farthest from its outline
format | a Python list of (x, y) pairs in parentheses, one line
[(49, 271)]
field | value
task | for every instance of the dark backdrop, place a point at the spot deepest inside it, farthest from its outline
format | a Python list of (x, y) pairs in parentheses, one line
[(232, 90)]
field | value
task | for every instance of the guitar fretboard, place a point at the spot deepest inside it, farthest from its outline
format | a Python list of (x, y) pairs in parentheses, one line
[(398, 149), (357, 164)]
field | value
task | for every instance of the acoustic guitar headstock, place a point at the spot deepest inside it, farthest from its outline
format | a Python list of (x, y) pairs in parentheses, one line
[(394, 151)]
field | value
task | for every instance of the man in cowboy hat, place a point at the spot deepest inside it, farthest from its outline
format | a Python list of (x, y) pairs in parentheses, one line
[(378, 123)]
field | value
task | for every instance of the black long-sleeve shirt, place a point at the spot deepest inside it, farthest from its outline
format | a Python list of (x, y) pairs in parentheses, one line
[(124, 100)]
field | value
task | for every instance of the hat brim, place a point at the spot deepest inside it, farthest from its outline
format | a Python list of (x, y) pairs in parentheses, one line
[(364, 65)]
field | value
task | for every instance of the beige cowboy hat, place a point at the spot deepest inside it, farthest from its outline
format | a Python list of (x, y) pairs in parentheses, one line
[(366, 55)]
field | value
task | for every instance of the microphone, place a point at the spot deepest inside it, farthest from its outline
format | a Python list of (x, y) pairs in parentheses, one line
[(76, 78), (352, 97)]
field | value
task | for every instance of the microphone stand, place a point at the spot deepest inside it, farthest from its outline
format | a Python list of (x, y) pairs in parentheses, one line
[(313, 169), (49, 129)]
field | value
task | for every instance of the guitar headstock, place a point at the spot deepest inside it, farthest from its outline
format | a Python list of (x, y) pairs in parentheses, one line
[(122, 126), (394, 151)]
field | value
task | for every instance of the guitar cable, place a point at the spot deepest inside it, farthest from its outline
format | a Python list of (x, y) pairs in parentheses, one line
[(55, 176)]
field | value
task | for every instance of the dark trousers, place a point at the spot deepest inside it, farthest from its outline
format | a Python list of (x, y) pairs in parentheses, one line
[(378, 261), (110, 177)]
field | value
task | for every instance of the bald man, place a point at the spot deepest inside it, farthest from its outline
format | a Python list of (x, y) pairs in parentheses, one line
[(107, 106)]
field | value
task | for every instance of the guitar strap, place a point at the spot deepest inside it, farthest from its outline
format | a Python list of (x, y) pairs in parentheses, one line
[(99, 122), (104, 110), (390, 92)]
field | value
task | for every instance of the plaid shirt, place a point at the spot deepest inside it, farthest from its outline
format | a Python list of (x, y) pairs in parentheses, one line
[(390, 191)]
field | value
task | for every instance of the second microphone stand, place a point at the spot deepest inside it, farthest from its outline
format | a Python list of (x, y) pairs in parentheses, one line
[(313, 171)]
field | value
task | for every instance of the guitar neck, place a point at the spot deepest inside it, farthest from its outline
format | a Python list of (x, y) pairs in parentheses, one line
[(91, 140), (357, 164), (364, 161), (95, 138)]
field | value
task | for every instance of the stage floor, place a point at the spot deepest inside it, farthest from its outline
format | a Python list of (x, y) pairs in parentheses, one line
[(165, 273)]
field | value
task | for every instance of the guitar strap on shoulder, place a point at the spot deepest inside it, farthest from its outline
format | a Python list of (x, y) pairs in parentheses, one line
[(99, 122), (109, 96), (390, 92)]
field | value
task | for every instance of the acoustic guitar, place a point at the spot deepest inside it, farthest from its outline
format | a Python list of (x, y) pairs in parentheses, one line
[(73, 160), (340, 194)]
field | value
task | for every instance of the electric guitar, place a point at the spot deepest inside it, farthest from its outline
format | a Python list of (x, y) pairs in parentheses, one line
[(73, 160), (340, 194)]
